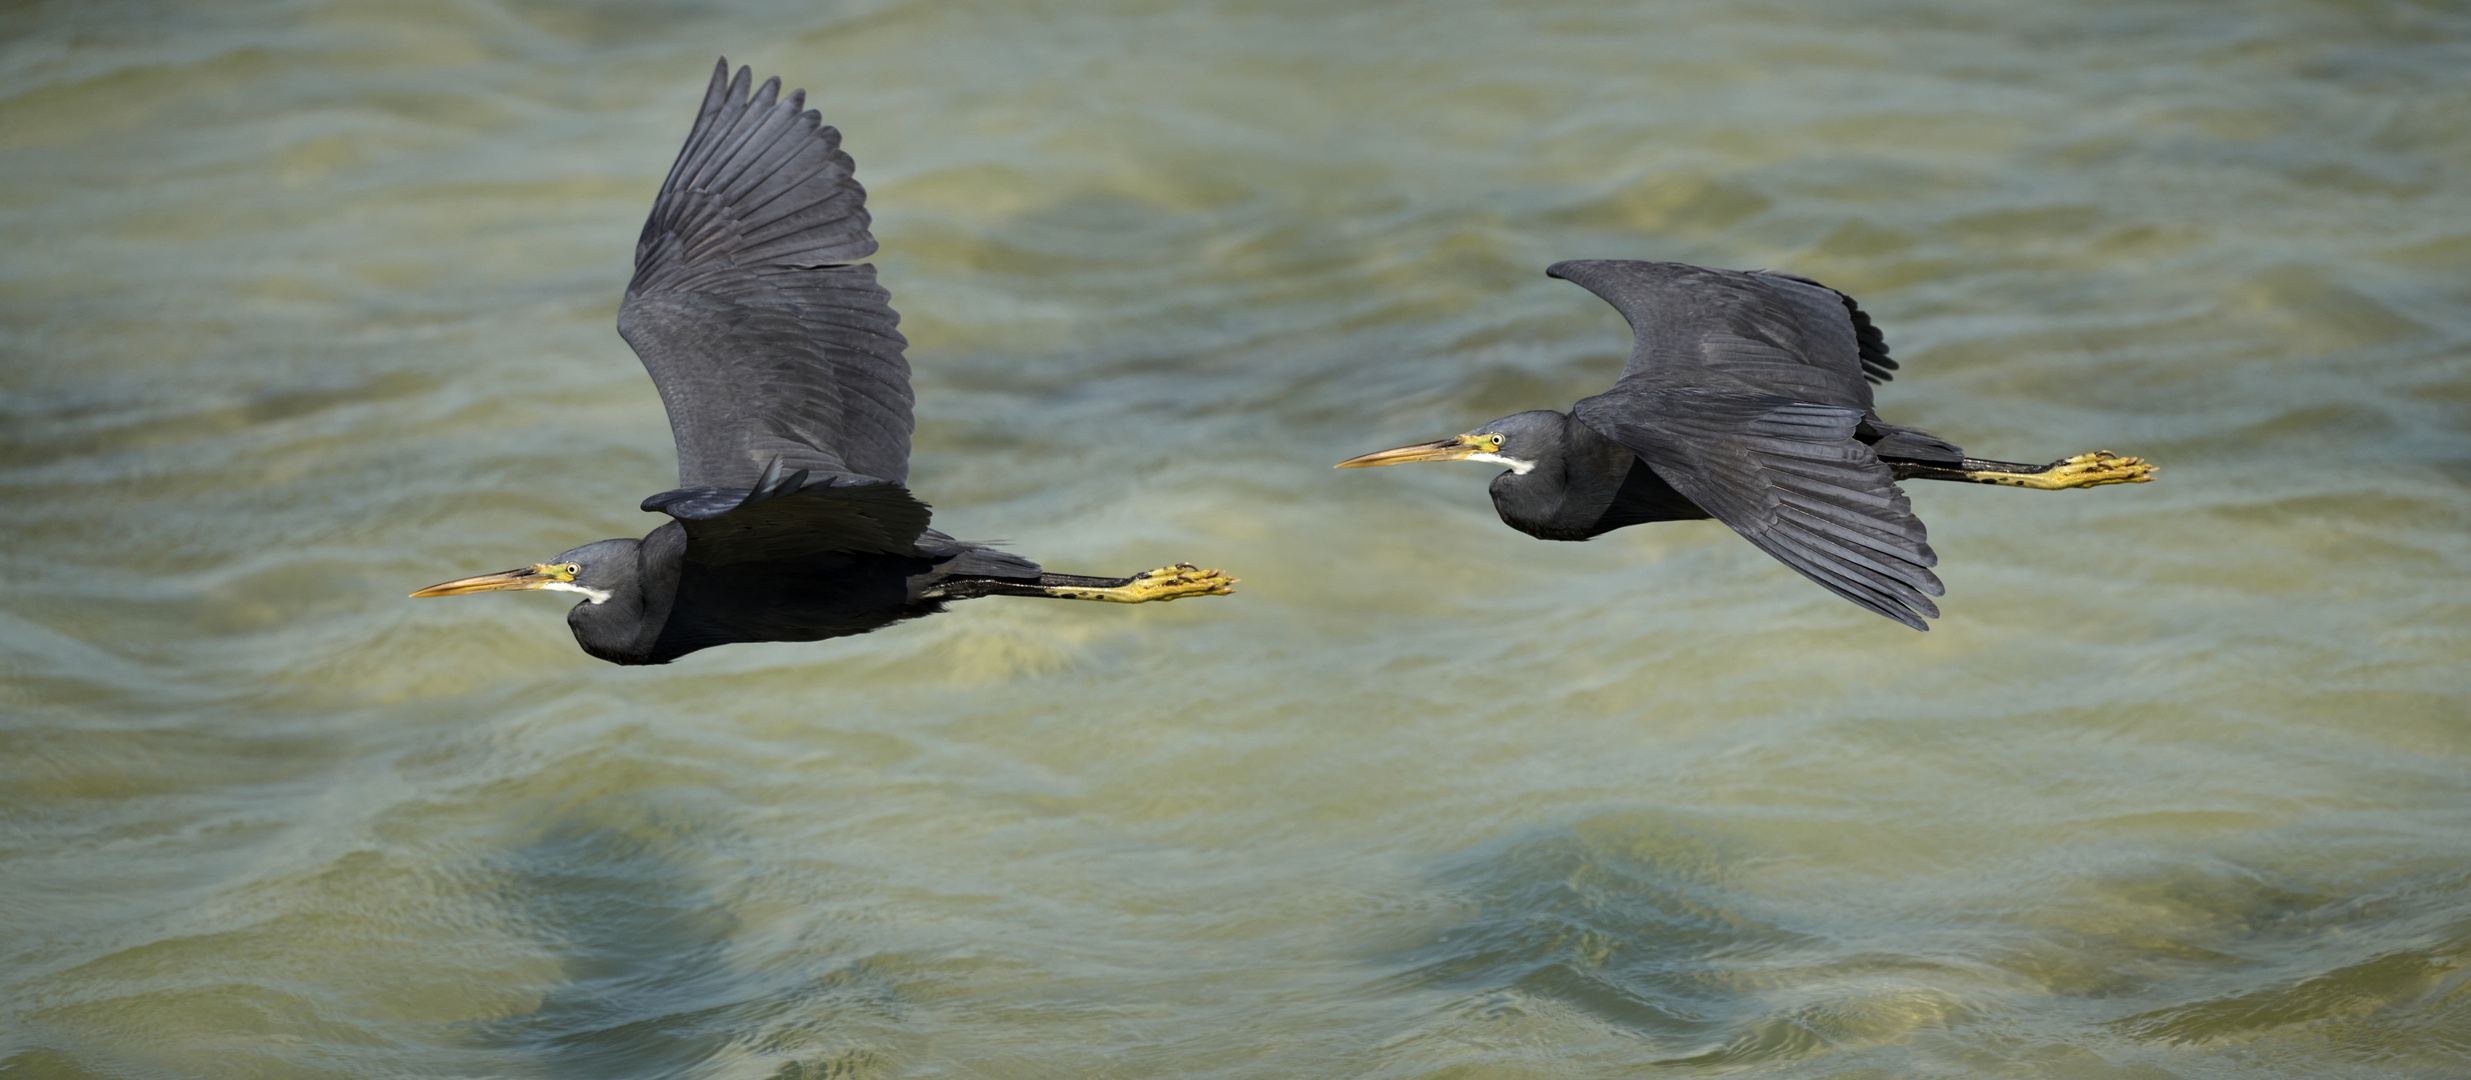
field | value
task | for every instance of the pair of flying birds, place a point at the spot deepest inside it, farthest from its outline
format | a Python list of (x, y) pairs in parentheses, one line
[(1747, 399)]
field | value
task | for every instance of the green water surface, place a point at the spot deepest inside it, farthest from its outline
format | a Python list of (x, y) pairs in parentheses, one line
[(308, 303)]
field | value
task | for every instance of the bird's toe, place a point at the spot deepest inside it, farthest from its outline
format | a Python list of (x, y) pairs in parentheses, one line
[(2103, 467), (1182, 580)]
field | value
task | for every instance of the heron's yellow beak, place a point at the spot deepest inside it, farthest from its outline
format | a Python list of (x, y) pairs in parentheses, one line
[(1454, 448), (530, 577)]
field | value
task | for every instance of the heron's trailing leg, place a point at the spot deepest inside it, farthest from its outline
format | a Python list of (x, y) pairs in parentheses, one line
[(2084, 470), (1165, 583)]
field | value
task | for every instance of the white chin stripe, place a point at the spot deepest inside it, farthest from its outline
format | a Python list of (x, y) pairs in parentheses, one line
[(595, 595), (1516, 466)]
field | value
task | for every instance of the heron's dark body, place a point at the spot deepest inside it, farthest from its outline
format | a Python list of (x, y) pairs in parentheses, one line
[(1747, 399), (675, 606), (780, 362), (1597, 485)]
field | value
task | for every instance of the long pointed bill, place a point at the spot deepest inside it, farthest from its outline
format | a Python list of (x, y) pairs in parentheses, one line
[(1454, 448), (535, 576)]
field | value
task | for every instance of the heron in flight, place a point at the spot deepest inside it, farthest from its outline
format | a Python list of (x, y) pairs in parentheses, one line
[(1747, 399), (777, 356)]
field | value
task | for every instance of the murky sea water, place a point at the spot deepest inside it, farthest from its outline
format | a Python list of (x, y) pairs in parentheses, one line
[(307, 304)]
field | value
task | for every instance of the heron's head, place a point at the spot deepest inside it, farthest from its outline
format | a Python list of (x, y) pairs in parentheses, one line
[(596, 570), (1519, 441)]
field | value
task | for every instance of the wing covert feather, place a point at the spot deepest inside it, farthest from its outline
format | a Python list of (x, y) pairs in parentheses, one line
[(782, 521)]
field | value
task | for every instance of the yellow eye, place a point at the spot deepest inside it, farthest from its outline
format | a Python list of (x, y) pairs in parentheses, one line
[(1495, 440), (574, 568)]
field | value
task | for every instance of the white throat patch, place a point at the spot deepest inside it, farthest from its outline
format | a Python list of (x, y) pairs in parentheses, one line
[(1516, 466), (594, 595)]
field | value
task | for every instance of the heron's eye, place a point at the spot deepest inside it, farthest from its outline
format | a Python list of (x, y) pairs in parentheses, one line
[(574, 568), (1495, 440)]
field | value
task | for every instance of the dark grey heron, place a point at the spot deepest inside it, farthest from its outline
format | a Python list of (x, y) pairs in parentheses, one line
[(777, 356), (1747, 399)]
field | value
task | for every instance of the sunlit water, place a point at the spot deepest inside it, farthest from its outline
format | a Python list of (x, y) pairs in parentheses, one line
[(304, 305)]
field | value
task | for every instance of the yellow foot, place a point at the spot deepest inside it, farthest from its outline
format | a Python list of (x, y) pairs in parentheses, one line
[(1165, 583), (2084, 470)]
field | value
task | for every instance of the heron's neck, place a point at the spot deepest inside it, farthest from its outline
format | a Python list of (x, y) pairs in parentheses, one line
[(1571, 482), (1529, 496), (620, 622)]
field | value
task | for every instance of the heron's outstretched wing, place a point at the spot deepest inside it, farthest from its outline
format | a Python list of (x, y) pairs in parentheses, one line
[(1777, 333), (787, 517), (1789, 476), (765, 344)]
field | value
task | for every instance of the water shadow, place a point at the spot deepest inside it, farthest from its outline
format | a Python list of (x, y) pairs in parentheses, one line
[(1629, 939), (654, 978)]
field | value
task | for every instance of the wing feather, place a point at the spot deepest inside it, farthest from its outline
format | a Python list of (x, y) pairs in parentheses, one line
[(1773, 332), (1788, 475), (765, 341), (1823, 305)]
